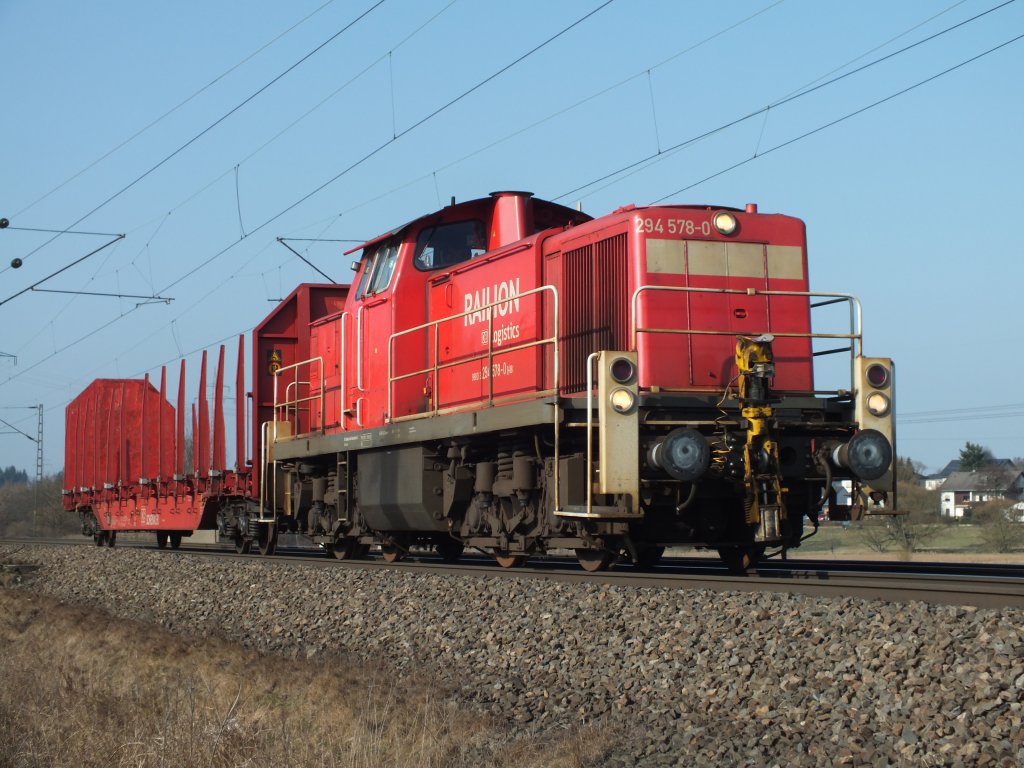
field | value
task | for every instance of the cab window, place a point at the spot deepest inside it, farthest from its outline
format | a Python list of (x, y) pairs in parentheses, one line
[(445, 245), (387, 255), (364, 279), (379, 266)]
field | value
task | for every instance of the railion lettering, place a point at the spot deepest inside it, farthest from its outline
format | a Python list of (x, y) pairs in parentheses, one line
[(504, 296)]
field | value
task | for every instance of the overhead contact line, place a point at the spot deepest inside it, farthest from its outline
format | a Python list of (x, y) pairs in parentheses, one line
[(210, 127), (391, 141)]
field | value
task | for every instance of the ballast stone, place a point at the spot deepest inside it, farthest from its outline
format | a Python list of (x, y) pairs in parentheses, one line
[(683, 677)]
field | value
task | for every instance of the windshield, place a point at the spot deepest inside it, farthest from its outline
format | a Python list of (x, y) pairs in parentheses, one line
[(445, 245)]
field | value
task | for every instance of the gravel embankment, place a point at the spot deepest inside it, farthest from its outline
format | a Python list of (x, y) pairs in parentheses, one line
[(689, 677)]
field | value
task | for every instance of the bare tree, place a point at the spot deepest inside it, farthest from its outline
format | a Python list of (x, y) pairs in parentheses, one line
[(875, 535)]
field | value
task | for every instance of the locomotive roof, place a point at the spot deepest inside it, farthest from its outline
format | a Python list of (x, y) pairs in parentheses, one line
[(583, 217), (468, 204)]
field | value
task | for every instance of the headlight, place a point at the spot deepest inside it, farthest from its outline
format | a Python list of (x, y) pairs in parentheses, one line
[(877, 375), (725, 223), (622, 370), (622, 400), (878, 404)]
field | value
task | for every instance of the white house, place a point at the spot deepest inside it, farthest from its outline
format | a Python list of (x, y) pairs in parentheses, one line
[(964, 490)]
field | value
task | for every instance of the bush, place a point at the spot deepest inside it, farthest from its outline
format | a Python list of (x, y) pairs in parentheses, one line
[(1000, 531)]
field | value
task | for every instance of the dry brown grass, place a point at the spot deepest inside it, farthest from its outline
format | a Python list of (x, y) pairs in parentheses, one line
[(78, 688)]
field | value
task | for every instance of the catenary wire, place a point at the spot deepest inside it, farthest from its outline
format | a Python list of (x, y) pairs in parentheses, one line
[(625, 81), (384, 145), (207, 186), (173, 109), (213, 125), (845, 117), (655, 157)]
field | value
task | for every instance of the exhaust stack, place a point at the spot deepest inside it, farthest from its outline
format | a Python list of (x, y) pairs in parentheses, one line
[(512, 218)]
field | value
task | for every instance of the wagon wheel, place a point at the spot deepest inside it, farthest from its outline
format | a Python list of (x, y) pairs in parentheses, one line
[(111, 538), (175, 540), (739, 559), (648, 556), (242, 544), (161, 539), (267, 542), (392, 553), (100, 537), (449, 550), (593, 560), (509, 561)]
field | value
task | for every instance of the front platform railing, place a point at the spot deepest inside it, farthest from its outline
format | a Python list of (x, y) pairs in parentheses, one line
[(853, 335)]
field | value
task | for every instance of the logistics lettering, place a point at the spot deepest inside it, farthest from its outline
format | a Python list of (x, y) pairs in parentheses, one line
[(501, 335)]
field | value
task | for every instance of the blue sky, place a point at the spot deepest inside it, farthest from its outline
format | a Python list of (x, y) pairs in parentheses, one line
[(911, 205)]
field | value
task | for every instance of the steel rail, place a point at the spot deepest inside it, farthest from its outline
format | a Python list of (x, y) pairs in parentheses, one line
[(939, 583)]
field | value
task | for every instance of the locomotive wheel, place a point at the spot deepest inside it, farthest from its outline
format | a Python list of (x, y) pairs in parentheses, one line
[(510, 561), (161, 539), (646, 557), (391, 553), (268, 539), (740, 559), (111, 538), (175, 540), (343, 548), (242, 544), (449, 550), (593, 560)]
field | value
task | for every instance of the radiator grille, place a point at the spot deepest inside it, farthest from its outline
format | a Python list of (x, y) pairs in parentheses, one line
[(595, 292)]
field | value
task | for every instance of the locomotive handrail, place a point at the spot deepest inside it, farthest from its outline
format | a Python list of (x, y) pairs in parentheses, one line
[(591, 359), (341, 356), (359, 348), (288, 403), (855, 335), (488, 355), (264, 461)]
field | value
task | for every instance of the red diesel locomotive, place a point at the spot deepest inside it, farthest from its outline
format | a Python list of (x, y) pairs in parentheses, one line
[(514, 376)]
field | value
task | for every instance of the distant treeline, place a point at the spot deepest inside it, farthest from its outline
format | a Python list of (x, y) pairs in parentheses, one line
[(10, 476), (33, 510)]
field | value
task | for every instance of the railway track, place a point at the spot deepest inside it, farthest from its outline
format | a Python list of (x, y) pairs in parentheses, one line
[(983, 585)]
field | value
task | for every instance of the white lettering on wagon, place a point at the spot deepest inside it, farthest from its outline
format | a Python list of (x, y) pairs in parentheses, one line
[(476, 303)]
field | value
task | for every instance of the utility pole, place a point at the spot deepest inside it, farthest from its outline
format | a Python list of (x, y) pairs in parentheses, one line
[(39, 471)]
